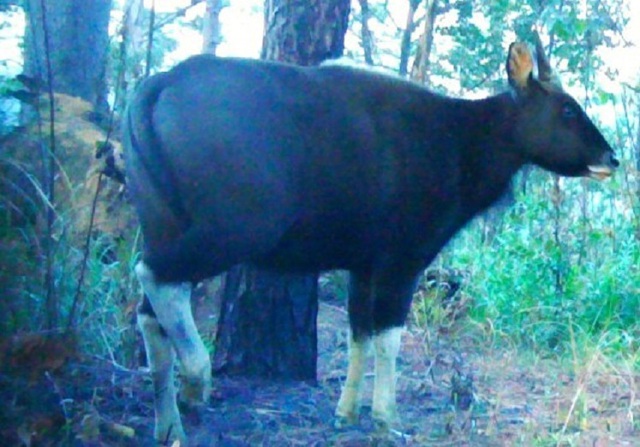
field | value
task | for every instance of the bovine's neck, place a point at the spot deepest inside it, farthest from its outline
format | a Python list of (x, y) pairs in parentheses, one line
[(490, 156)]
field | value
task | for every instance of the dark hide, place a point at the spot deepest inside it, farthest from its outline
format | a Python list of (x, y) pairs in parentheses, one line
[(305, 169)]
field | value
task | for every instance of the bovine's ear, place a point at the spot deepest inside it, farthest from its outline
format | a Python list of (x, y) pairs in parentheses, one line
[(519, 66)]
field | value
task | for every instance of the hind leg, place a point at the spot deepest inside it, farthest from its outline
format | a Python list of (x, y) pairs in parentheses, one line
[(171, 305), (160, 358)]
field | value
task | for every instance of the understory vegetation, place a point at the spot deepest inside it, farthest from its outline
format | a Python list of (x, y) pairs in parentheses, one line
[(555, 270)]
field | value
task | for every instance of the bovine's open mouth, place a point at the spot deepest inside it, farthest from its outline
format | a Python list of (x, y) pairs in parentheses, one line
[(599, 172)]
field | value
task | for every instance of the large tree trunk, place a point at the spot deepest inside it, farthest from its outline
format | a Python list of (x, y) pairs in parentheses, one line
[(267, 325), (304, 33), (78, 42)]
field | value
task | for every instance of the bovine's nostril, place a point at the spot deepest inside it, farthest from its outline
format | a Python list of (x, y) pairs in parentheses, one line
[(609, 159), (614, 161)]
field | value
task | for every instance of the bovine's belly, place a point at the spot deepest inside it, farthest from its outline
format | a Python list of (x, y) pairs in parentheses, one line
[(319, 246)]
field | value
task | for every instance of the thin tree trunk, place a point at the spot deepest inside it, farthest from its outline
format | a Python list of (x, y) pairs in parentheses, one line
[(637, 155), (367, 36), (420, 68), (211, 28), (132, 35), (135, 35), (559, 267), (405, 43)]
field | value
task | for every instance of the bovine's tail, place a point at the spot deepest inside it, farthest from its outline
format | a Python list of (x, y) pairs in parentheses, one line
[(142, 143)]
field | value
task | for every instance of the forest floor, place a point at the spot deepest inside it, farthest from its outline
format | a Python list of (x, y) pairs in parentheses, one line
[(516, 399)]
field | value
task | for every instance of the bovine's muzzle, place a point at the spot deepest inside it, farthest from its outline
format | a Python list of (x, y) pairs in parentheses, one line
[(604, 169)]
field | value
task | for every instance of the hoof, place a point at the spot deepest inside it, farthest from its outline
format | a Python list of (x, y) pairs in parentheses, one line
[(170, 435), (193, 415), (341, 421), (387, 422), (195, 391), (393, 429)]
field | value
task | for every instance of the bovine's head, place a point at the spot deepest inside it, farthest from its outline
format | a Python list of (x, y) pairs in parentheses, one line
[(551, 128)]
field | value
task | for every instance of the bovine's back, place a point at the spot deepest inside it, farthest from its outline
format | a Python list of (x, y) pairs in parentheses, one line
[(321, 165)]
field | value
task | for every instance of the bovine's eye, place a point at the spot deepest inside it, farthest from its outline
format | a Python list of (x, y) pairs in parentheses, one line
[(569, 111)]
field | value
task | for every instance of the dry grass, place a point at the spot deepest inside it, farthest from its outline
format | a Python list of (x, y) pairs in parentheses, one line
[(521, 398)]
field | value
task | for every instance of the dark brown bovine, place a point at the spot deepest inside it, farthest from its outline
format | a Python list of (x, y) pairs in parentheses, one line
[(306, 169)]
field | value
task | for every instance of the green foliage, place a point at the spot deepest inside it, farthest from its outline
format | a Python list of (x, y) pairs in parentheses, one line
[(8, 105), (20, 296), (9, 5), (539, 288), (573, 31), (130, 66), (110, 295), (562, 263), (8, 85), (106, 302), (334, 285)]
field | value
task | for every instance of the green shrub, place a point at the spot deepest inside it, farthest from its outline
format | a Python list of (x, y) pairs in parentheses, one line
[(559, 264)]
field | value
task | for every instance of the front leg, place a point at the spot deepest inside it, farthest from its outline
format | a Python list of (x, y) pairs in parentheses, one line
[(360, 306), (394, 288)]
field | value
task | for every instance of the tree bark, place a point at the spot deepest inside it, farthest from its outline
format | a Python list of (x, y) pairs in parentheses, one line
[(211, 32), (304, 33), (267, 327), (405, 43), (134, 35), (366, 35), (267, 324), (78, 46), (420, 69)]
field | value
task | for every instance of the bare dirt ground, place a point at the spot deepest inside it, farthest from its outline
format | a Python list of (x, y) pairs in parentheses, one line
[(452, 391)]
